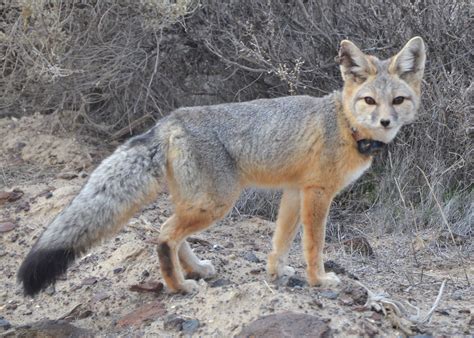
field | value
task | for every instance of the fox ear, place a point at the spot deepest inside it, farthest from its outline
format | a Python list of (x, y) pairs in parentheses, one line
[(353, 63), (409, 63)]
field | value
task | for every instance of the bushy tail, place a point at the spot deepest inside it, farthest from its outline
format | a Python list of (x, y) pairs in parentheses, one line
[(122, 183)]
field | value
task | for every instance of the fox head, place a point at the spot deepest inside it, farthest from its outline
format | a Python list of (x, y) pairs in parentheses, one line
[(380, 96)]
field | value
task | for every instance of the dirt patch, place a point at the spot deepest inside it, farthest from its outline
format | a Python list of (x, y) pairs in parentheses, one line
[(95, 295)]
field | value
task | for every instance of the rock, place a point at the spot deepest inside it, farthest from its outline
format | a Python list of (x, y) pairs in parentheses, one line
[(217, 247), (50, 290), (23, 206), (118, 270), (173, 323), (7, 226), (147, 287), (287, 324), (334, 267), (100, 296), (89, 281), (251, 257), (358, 244), (356, 292), (190, 326), (294, 281), (51, 328), (10, 196), (142, 314), (329, 294), (457, 295), (67, 175), (219, 282), (4, 324)]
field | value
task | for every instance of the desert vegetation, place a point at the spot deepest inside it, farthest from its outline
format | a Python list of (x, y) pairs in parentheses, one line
[(112, 68)]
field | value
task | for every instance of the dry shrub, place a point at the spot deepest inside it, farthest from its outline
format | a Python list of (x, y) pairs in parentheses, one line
[(112, 62)]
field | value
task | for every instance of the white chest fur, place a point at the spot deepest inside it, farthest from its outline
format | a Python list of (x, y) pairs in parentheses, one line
[(353, 175)]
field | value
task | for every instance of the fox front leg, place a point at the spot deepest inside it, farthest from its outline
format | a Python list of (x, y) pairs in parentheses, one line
[(315, 204)]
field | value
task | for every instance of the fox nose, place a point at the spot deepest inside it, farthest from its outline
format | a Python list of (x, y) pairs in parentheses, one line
[(385, 123)]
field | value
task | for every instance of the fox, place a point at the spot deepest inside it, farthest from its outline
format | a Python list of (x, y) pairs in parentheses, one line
[(309, 147)]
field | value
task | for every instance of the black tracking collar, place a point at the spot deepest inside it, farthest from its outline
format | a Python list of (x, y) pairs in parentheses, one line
[(370, 147)]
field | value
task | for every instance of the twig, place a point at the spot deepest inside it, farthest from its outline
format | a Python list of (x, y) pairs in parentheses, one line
[(445, 220), (268, 286), (126, 130), (435, 304), (68, 313), (398, 311)]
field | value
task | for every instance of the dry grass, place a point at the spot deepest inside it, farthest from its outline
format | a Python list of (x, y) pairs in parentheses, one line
[(112, 63)]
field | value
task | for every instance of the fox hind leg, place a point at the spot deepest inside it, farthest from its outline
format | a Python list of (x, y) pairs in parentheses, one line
[(286, 229), (172, 248), (192, 265)]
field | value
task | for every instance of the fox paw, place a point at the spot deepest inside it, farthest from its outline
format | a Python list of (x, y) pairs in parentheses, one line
[(203, 270), (189, 286), (283, 272), (206, 269), (325, 280)]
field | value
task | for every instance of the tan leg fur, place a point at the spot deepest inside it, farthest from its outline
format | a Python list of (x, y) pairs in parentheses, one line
[(286, 229), (314, 210)]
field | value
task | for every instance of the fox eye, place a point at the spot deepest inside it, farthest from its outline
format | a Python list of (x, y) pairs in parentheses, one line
[(369, 100), (398, 100)]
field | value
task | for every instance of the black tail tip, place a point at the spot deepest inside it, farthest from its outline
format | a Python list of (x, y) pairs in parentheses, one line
[(42, 267)]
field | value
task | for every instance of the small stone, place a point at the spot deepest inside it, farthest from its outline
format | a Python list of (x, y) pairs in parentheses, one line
[(329, 294), (7, 226), (256, 271), (10, 196), (144, 313), (11, 306), (347, 301), (317, 303), (4, 324), (85, 314), (229, 245), (190, 326), (147, 287), (50, 290), (118, 270), (287, 324), (219, 282), (457, 295), (23, 206), (89, 281), (294, 281), (67, 175), (51, 328), (356, 292), (48, 195), (20, 145), (376, 316), (98, 297), (334, 267), (251, 257), (173, 323)]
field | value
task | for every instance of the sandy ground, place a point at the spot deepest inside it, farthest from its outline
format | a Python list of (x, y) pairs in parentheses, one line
[(49, 166)]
